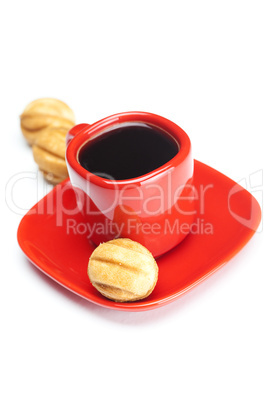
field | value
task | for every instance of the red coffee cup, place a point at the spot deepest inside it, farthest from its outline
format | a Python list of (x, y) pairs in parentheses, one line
[(156, 209)]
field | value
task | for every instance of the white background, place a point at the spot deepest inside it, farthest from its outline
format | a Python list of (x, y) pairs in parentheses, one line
[(202, 64)]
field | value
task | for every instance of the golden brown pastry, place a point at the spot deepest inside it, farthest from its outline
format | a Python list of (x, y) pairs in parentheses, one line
[(49, 154), (51, 178), (123, 270), (42, 113)]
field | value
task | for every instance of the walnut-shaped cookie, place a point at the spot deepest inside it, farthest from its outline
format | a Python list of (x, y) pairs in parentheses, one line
[(49, 153), (42, 113), (123, 270)]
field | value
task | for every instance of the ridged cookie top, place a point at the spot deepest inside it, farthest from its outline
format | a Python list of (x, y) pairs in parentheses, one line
[(123, 270), (43, 113), (49, 107)]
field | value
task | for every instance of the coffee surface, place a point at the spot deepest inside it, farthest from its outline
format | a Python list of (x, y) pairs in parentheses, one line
[(129, 151)]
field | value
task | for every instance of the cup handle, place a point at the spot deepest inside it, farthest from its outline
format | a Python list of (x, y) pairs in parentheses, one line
[(74, 131)]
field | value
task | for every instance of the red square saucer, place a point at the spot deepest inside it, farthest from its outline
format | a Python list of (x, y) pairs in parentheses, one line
[(224, 224)]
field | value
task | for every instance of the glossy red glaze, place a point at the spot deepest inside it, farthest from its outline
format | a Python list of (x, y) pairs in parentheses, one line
[(54, 237), (76, 130), (144, 208)]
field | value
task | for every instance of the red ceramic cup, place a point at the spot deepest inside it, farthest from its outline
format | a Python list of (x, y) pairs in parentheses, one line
[(155, 209)]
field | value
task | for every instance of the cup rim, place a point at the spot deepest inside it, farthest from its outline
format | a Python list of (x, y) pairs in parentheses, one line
[(90, 131)]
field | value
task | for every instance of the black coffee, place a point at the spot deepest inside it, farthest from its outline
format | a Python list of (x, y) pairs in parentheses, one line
[(128, 151)]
